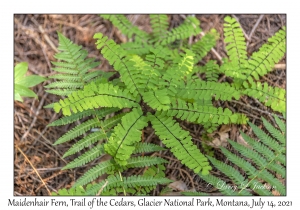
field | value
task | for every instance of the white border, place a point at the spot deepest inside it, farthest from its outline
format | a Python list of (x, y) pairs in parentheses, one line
[(118, 6)]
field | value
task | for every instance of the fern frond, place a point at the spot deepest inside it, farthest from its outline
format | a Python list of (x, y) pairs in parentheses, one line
[(180, 143), (274, 132), (274, 182), (66, 85), (204, 45), (251, 172), (94, 75), (192, 193), (281, 124), (221, 185), (189, 27), (134, 48), (158, 100), (265, 159), (267, 140), (121, 143), (229, 171), (157, 58), (261, 148), (201, 114), (126, 27), (78, 130), (281, 158), (121, 61), (139, 162), (235, 42), (211, 70), (182, 66), (90, 155), (155, 171), (79, 115), (148, 73), (96, 136), (65, 77), (85, 142), (107, 166), (273, 97), (260, 161), (73, 64), (78, 191), (142, 147), (126, 182), (94, 96), (159, 24), (95, 172), (59, 92), (206, 90), (269, 54), (152, 171)]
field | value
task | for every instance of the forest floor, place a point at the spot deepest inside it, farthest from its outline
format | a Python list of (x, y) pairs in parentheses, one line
[(38, 163)]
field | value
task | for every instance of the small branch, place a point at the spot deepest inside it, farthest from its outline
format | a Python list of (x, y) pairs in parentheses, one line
[(35, 117), (254, 28), (280, 66), (219, 57), (246, 36), (100, 191), (48, 40), (257, 109), (34, 169)]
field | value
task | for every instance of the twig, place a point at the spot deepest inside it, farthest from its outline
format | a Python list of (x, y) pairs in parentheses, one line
[(257, 109), (42, 133), (149, 137), (188, 175), (35, 117), (254, 28), (213, 50), (16, 193), (100, 191), (43, 169), (34, 169), (280, 66), (246, 36), (40, 181), (51, 148), (45, 35)]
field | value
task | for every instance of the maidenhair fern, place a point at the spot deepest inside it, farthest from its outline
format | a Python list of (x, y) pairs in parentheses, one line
[(246, 71), (261, 167), (156, 85), (74, 69)]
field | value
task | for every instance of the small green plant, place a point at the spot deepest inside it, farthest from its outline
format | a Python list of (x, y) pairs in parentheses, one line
[(155, 84), (23, 83), (260, 167), (247, 71)]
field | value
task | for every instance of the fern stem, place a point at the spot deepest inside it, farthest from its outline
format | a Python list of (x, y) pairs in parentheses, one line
[(101, 189), (124, 191), (254, 177), (103, 130)]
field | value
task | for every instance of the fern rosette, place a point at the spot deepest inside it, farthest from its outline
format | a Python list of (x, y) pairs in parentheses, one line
[(155, 85)]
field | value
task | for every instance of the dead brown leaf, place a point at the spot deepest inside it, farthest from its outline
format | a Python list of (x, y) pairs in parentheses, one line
[(178, 186), (242, 141), (220, 137)]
